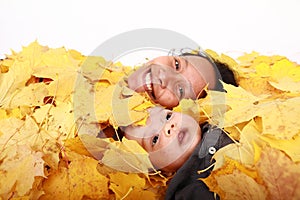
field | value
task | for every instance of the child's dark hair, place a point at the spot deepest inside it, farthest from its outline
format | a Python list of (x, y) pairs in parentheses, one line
[(224, 73)]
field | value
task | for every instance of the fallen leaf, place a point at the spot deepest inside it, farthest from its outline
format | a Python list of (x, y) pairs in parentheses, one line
[(32, 95), (19, 166), (119, 111), (280, 175), (243, 151), (12, 81), (77, 182), (127, 156), (129, 186), (240, 186), (286, 84), (232, 180), (290, 147)]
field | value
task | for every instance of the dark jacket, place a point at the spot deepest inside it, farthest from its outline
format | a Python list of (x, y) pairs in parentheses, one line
[(185, 183)]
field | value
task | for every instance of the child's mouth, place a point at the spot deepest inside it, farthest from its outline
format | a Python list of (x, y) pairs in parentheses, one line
[(180, 136)]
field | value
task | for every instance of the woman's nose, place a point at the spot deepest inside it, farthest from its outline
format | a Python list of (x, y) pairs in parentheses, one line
[(167, 77), (162, 77)]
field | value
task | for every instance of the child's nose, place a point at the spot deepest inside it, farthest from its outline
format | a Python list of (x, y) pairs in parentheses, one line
[(170, 129)]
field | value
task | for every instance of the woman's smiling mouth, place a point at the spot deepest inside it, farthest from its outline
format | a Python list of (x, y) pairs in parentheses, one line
[(149, 85)]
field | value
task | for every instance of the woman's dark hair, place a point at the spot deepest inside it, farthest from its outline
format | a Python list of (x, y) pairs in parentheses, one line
[(227, 75)]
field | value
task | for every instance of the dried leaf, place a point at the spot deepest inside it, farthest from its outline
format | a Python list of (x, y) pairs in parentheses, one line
[(127, 156), (32, 95), (12, 81), (280, 175), (287, 84), (76, 182), (290, 147), (129, 186), (232, 180), (19, 166), (119, 111), (240, 186), (244, 152)]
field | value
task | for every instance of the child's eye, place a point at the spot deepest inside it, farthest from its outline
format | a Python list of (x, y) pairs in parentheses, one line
[(181, 92), (168, 116), (154, 140)]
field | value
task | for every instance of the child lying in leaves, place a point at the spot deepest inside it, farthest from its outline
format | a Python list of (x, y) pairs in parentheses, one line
[(176, 143)]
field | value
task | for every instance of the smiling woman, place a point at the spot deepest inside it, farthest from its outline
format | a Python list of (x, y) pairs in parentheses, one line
[(168, 79)]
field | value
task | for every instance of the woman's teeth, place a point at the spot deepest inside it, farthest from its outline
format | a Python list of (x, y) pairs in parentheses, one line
[(148, 81)]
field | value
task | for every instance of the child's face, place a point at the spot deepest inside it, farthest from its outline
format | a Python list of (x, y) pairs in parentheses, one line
[(168, 79), (169, 137)]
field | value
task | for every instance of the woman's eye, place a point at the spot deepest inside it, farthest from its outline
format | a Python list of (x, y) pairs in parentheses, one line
[(177, 64), (168, 116), (154, 140)]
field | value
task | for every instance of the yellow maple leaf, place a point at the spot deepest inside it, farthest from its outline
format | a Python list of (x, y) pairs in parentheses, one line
[(236, 99), (110, 105), (32, 95), (19, 166), (290, 147), (32, 53), (287, 84), (81, 179), (80, 144), (17, 132), (59, 57), (240, 186), (5, 65), (216, 180), (244, 106), (93, 67), (263, 70), (129, 186), (258, 86), (211, 108), (12, 81), (276, 123), (59, 118), (281, 68), (280, 175), (247, 58), (63, 83), (3, 114), (127, 156), (245, 151), (95, 146)]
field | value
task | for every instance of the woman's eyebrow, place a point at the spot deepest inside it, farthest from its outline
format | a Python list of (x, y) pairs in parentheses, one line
[(186, 62)]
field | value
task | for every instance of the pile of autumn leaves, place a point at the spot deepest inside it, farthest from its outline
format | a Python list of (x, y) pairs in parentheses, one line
[(53, 102)]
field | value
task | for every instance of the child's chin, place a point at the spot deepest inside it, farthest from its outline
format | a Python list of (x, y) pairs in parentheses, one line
[(173, 167)]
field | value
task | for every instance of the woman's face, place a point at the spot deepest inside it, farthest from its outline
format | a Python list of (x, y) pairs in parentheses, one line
[(169, 79), (169, 137)]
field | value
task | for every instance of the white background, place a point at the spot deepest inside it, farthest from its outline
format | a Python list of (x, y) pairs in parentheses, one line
[(227, 26)]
